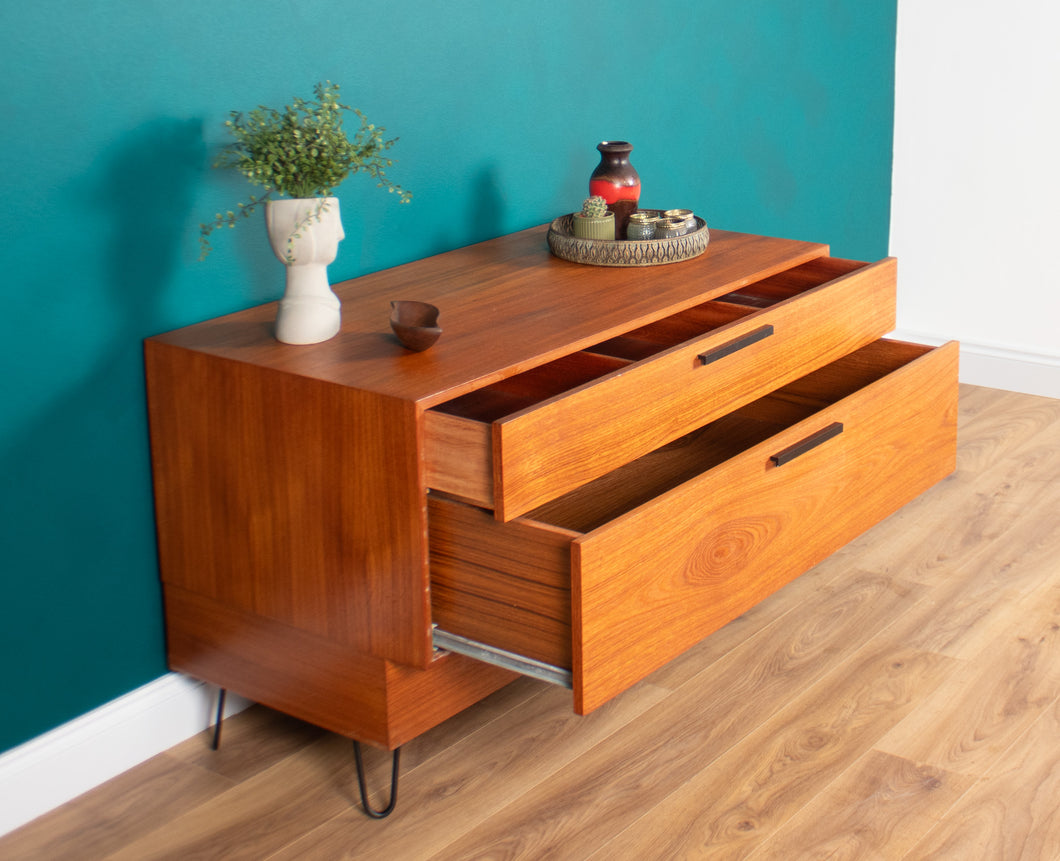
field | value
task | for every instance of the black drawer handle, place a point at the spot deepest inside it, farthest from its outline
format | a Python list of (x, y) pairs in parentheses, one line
[(811, 442), (735, 345)]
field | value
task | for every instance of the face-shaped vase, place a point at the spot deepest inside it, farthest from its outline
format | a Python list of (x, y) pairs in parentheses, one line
[(304, 235), (304, 231)]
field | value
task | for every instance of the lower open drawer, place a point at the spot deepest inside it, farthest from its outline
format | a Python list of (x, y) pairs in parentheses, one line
[(614, 579)]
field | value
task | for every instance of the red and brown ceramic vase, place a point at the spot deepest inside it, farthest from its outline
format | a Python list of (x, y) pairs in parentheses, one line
[(617, 182)]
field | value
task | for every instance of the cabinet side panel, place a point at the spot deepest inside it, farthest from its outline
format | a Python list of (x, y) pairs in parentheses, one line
[(291, 498)]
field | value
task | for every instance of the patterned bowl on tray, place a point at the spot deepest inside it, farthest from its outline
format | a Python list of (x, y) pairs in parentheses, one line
[(625, 252)]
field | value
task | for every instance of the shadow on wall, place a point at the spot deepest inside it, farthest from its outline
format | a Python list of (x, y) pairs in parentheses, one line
[(146, 191), (486, 215), (83, 598), (484, 219)]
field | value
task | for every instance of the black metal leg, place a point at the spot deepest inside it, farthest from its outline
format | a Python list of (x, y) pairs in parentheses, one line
[(217, 723), (386, 811)]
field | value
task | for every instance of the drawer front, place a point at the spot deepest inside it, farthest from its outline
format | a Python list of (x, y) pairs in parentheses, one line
[(646, 587), (648, 584), (561, 443)]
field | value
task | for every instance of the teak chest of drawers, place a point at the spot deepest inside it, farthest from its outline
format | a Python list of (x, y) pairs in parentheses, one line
[(593, 469)]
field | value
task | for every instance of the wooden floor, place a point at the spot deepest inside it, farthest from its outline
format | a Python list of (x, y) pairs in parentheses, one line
[(900, 701)]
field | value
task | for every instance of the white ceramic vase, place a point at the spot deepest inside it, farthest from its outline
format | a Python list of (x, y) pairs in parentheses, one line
[(304, 234)]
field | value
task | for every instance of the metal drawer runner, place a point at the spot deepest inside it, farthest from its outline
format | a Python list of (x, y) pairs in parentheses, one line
[(501, 658)]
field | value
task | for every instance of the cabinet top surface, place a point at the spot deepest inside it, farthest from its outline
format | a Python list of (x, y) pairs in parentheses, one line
[(506, 305)]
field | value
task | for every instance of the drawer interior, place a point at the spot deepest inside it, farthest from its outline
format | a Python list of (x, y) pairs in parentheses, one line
[(694, 322), (784, 285), (553, 379), (525, 390), (642, 480)]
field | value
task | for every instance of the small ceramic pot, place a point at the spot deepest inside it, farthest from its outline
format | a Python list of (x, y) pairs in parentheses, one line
[(593, 227)]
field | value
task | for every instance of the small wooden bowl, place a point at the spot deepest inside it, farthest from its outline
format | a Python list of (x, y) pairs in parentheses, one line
[(414, 323)]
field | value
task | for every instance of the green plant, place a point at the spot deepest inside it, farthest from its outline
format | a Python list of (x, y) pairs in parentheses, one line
[(302, 151), (594, 207)]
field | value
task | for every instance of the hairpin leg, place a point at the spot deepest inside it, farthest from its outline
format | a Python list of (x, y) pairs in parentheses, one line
[(220, 715), (386, 811)]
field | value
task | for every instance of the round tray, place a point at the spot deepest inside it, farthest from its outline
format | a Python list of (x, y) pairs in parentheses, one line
[(625, 252)]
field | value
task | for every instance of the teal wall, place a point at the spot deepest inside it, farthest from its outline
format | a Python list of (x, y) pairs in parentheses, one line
[(766, 116)]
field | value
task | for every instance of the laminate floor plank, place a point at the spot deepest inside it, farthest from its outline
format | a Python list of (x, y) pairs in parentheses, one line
[(731, 807), (613, 784), (877, 810), (979, 586), (1011, 815), (999, 540), (991, 699), (983, 501), (475, 778), (121, 811), (251, 742), (312, 785), (261, 814), (899, 701)]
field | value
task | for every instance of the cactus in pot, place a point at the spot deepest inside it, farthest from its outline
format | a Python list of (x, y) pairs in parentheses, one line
[(594, 207), (595, 221)]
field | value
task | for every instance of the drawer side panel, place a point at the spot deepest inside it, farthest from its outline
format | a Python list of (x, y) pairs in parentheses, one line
[(506, 585), (457, 457)]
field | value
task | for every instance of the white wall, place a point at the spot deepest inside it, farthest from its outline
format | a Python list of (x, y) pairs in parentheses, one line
[(975, 220)]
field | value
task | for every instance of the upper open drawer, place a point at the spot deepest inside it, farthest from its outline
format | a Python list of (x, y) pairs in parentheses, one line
[(518, 443)]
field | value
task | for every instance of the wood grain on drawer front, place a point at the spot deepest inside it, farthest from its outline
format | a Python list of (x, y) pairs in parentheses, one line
[(543, 451), (649, 585)]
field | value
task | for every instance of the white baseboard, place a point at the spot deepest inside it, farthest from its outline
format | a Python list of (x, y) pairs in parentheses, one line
[(1000, 367), (53, 768)]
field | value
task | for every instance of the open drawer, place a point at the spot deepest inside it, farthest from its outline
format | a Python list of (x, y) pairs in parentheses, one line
[(614, 579), (521, 442)]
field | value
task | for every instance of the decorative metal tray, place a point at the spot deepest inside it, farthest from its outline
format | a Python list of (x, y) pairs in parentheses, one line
[(625, 252)]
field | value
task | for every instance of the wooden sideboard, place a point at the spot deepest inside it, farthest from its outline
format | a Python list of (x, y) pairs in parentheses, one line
[(593, 469)]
